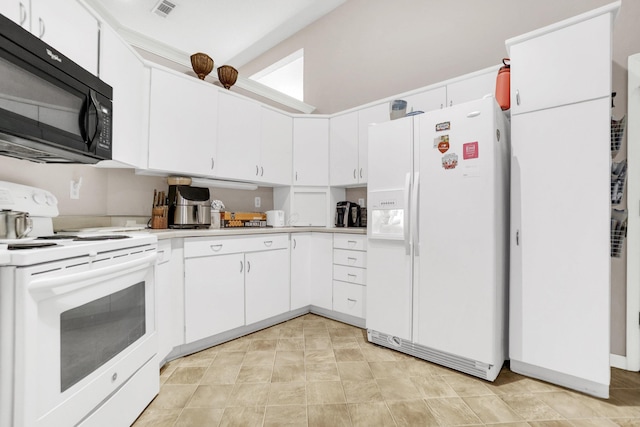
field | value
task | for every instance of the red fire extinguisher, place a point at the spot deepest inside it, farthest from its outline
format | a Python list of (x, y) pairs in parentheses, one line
[(503, 86)]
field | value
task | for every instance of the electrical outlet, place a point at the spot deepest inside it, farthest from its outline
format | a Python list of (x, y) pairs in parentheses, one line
[(74, 188), (257, 202), (361, 202)]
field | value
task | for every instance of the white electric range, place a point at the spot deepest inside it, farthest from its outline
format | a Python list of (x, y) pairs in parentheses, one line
[(77, 322)]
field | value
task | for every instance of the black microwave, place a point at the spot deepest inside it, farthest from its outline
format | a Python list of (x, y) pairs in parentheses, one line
[(51, 109)]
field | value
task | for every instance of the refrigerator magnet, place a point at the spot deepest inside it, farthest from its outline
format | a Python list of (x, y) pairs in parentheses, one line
[(442, 143), (450, 161), (443, 126), (470, 150)]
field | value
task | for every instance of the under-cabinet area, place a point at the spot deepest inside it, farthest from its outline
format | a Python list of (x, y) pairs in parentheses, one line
[(217, 288)]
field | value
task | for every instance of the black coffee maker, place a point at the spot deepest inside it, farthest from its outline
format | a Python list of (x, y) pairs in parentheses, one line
[(347, 214)]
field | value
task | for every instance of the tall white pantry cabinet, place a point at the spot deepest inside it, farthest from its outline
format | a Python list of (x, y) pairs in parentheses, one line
[(560, 202)]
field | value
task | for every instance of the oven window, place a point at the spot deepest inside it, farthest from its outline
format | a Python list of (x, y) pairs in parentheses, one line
[(93, 333), (35, 98)]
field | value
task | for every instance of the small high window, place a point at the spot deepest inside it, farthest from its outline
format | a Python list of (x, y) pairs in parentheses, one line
[(286, 75)]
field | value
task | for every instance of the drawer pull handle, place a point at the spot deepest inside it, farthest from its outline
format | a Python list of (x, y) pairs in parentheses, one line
[(351, 276), (248, 266), (352, 258), (268, 243), (241, 266), (352, 302), (216, 248)]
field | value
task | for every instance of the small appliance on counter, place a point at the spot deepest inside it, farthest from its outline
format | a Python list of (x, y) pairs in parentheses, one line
[(275, 218), (189, 207), (348, 214), (243, 219)]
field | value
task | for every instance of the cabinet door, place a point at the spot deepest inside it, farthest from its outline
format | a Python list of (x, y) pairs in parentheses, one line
[(169, 276), (17, 11), (267, 284), (276, 149), (472, 88), (568, 65), (375, 114), (322, 270), (182, 124), (69, 28), (429, 100), (310, 151), (214, 295), (300, 270), (343, 149), (125, 72), (560, 284), (238, 138)]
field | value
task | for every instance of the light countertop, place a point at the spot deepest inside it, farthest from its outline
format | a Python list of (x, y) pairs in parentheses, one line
[(173, 233)]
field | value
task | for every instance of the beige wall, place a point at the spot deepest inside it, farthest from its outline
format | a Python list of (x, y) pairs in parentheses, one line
[(372, 49), (112, 192)]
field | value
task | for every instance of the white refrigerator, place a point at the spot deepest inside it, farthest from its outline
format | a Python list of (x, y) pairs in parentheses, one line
[(437, 261)]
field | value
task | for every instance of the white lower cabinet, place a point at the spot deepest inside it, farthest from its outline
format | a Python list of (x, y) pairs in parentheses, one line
[(169, 296), (348, 298), (321, 270), (300, 270), (349, 274), (234, 281), (214, 295), (266, 284)]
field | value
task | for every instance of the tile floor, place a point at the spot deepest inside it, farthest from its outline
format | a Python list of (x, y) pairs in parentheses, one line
[(313, 371)]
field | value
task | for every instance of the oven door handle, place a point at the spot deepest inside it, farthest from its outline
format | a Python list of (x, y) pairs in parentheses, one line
[(68, 283)]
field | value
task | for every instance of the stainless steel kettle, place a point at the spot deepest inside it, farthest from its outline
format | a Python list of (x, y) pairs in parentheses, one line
[(14, 224)]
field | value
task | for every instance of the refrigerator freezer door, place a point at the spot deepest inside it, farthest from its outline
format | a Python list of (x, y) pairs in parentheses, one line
[(462, 233)]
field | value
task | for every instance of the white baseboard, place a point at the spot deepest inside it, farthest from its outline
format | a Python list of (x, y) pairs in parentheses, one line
[(617, 361)]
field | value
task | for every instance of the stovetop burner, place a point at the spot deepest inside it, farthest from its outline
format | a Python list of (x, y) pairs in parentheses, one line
[(57, 237)]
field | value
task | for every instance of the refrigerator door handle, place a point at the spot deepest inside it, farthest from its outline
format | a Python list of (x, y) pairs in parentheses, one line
[(414, 213), (407, 195)]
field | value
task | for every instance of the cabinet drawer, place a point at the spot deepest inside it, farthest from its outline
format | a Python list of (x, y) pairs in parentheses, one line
[(197, 247), (350, 241), (350, 258), (349, 299), (349, 274)]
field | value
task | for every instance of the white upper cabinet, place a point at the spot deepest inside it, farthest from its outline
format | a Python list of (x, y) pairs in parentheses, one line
[(238, 137), (182, 124), (310, 151), (276, 148), (343, 149), (579, 73), (432, 99), (348, 141), (17, 11), (472, 88), (127, 75), (65, 25), (375, 114)]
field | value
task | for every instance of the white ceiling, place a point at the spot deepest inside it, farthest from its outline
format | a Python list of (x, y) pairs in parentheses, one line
[(232, 32)]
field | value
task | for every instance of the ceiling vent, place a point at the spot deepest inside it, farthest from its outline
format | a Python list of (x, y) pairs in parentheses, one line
[(163, 8)]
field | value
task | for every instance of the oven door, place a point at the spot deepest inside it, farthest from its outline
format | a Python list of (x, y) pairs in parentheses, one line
[(82, 332)]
